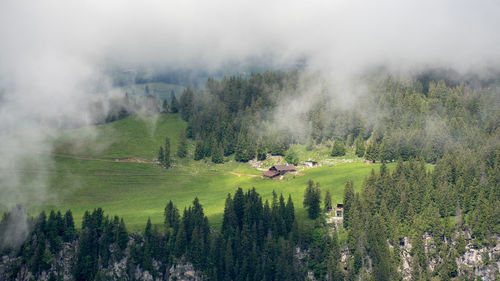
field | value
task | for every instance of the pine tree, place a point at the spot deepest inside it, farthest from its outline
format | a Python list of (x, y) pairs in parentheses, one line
[(360, 147), (338, 149), (333, 263), (165, 106), (328, 200), (348, 201), (174, 104), (69, 226), (199, 151), (379, 250), (182, 145), (292, 157), (172, 217), (161, 156), (217, 154), (167, 161), (122, 235), (290, 214), (180, 241), (312, 199)]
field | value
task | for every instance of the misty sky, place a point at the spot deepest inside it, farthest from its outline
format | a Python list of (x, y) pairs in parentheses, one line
[(53, 53)]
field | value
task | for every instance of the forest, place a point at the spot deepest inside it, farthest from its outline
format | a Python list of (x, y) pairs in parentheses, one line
[(442, 212)]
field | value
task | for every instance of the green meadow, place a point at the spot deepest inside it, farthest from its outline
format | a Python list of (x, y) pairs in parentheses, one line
[(88, 173)]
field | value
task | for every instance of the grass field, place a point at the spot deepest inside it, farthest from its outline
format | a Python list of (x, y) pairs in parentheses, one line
[(136, 191)]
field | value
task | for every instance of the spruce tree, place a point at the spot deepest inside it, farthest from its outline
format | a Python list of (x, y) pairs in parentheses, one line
[(217, 154), (312, 199), (328, 201), (174, 104), (348, 201), (172, 217), (338, 149), (199, 151), (165, 106), (182, 145), (360, 147), (69, 226), (161, 156), (167, 161)]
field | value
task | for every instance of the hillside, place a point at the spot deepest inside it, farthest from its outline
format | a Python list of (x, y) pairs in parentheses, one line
[(88, 175)]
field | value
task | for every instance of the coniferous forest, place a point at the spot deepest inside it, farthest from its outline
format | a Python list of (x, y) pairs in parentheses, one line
[(414, 222)]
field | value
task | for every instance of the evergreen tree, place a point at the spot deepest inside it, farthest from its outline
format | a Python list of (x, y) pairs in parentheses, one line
[(182, 145), (360, 147), (290, 214), (199, 151), (312, 199), (348, 201), (172, 217), (69, 226), (328, 200), (338, 149), (174, 104), (186, 103), (161, 156), (217, 154), (292, 157), (379, 250), (165, 106), (167, 161), (334, 268), (122, 235)]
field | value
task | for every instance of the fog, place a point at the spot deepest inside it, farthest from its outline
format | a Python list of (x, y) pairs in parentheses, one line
[(55, 55)]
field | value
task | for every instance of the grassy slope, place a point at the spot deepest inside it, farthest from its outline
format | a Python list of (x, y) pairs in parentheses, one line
[(130, 137), (137, 191)]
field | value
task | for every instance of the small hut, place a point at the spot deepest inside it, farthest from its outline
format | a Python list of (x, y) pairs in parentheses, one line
[(339, 212), (311, 164), (279, 170)]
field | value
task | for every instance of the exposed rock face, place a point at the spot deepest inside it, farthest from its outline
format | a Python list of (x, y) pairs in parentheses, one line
[(183, 272), (483, 263), (406, 258)]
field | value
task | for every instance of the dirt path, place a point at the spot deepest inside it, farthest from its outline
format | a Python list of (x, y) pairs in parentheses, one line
[(239, 175), (128, 160)]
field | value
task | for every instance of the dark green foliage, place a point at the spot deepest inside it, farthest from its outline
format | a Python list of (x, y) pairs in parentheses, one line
[(328, 200), (167, 161), (186, 103), (217, 154), (199, 151), (372, 151), (164, 106), (161, 156), (348, 202), (291, 157), (69, 227), (338, 149), (174, 104), (312, 199), (379, 250), (360, 147), (334, 267), (172, 217), (182, 145)]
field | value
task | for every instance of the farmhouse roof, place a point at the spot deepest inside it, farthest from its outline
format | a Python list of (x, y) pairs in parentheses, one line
[(283, 168), (270, 174)]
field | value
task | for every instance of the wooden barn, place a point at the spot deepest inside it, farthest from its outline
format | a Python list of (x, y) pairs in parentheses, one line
[(279, 170)]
